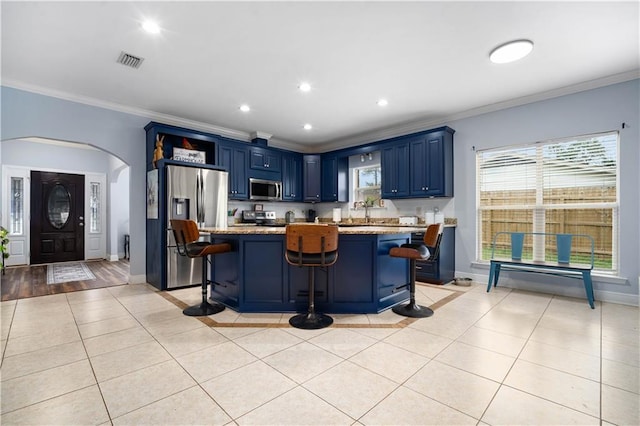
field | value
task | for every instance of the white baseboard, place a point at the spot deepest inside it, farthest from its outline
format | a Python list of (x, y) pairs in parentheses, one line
[(569, 290), (137, 279), (113, 258)]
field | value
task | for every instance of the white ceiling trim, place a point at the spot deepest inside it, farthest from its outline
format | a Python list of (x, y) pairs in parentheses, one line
[(156, 116), (416, 126), (368, 137)]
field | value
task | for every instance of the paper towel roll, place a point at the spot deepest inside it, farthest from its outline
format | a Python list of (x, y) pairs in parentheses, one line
[(429, 217), (439, 217), (337, 214)]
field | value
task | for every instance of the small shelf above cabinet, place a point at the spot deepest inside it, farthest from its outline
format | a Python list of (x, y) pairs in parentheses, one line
[(162, 140)]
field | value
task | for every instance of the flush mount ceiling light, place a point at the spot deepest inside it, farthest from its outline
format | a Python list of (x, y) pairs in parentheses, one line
[(304, 87), (307, 126), (511, 51), (151, 27), (245, 108), (382, 102)]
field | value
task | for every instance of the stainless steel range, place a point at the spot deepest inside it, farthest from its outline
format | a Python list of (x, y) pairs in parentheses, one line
[(264, 218)]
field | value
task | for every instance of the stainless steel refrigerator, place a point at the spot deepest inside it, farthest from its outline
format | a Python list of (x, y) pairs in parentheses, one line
[(198, 194)]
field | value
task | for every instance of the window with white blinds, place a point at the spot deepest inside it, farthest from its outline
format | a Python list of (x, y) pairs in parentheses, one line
[(568, 186)]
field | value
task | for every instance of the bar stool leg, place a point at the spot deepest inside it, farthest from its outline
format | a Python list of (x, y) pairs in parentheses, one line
[(412, 309), (311, 320), (205, 308)]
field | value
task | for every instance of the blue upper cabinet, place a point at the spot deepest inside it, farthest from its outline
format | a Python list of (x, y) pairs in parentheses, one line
[(431, 164), (311, 177), (266, 159), (235, 159), (291, 177), (335, 178), (395, 171)]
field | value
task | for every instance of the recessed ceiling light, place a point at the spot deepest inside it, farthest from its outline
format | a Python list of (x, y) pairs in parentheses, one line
[(151, 27), (245, 108), (382, 102), (307, 126), (511, 51), (304, 87)]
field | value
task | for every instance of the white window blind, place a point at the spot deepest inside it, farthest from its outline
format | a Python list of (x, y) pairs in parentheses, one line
[(568, 186)]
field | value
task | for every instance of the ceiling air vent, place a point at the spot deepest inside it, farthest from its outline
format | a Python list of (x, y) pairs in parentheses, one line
[(130, 60)]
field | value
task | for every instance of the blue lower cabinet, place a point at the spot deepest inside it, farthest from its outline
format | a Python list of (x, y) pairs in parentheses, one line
[(225, 286), (443, 270), (257, 278), (263, 273)]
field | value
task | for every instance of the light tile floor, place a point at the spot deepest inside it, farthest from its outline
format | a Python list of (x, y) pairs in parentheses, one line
[(127, 355)]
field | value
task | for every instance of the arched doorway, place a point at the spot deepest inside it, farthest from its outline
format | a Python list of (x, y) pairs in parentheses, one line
[(105, 209)]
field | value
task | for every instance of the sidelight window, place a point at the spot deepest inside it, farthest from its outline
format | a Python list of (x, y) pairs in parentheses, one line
[(95, 221), (16, 225), (568, 186)]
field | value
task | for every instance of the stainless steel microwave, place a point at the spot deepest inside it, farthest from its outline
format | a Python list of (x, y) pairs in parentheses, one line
[(262, 189)]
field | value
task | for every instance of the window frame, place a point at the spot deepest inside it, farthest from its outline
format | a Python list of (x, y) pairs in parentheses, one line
[(356, 181), (540, 207)]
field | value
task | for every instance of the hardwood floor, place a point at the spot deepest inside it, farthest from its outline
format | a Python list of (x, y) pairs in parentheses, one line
[(20, 282)]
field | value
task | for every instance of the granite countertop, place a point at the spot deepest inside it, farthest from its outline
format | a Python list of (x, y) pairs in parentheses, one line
[(346, 230)]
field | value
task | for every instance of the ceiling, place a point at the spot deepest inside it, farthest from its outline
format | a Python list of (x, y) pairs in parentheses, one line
[(429, 59)]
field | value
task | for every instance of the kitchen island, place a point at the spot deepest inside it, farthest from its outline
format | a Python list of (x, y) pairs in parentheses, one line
[(255, 277)]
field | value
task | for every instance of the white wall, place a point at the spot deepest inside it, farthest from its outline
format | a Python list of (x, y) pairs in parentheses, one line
[(71, 158), (44, 156), (27, 114), (119, 211), (593, 111)]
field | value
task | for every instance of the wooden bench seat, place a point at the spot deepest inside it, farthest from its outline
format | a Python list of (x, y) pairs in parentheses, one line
[(560, 266)]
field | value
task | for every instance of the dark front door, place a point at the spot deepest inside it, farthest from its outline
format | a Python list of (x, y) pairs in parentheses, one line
[(57, 217)]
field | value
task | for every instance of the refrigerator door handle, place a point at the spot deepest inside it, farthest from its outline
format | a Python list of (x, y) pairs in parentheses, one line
[(199, 199)]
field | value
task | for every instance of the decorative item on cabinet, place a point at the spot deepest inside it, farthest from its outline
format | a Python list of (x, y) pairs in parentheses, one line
[(158, 152), (189, 155), (187, 145)]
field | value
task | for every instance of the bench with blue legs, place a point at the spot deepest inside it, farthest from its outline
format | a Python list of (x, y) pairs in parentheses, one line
[(559, 265)]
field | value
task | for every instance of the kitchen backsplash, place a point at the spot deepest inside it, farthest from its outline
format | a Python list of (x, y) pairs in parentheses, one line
[(391, 210)]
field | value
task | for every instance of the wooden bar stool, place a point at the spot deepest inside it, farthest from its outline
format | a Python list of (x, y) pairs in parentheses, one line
[(311, 245), (414, 251), (186, 234)]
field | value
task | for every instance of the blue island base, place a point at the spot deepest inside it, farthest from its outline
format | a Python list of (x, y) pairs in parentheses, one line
[(255, 277)]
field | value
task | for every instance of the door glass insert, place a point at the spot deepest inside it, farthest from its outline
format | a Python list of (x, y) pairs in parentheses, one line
[(59, 206), (17, 206), (94, 208)]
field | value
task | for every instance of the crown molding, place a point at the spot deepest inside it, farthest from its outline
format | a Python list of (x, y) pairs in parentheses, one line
[(419, 125), (354, 140), (152, 115)]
